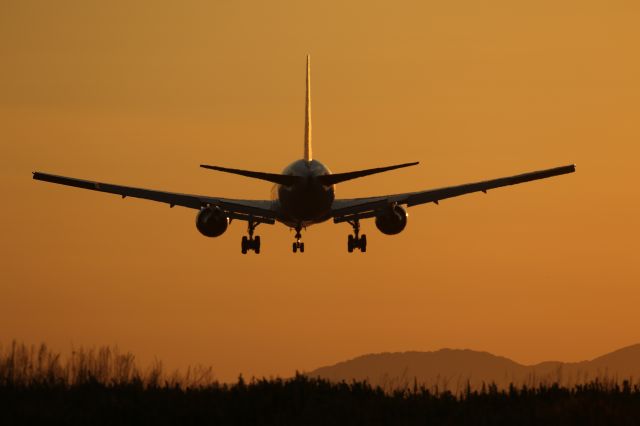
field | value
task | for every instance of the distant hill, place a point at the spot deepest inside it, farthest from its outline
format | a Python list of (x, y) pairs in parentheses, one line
[(452, 369)]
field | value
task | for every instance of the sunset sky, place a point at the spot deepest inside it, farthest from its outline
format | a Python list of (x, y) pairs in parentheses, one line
[(141, 93)]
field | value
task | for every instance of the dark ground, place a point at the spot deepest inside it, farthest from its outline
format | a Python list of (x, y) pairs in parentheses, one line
[(105, 387), (304, 401)]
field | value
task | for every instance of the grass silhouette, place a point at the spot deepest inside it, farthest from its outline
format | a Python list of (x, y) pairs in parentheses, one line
[(23, 366), (104, 386)]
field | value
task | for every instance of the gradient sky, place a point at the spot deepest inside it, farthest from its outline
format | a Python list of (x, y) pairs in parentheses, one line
[(142, 92)]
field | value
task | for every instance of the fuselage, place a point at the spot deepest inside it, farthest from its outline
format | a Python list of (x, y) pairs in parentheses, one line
[(308, 201)]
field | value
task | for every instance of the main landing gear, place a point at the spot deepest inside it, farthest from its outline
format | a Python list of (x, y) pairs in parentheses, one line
[(356, 241), (298, 245), (251, 242)]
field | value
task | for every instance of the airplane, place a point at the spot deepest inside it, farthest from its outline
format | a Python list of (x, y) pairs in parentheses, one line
[(304, 195)]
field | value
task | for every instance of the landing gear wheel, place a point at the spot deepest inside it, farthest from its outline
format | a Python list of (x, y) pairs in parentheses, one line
[(244, 245), (298, 245), (356, 241), (251, 242)]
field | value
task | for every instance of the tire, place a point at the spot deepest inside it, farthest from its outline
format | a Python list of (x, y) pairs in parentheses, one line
[(350, 244), (363, 243), (301, 247), (256, 244), (295, 247), (244, 245)]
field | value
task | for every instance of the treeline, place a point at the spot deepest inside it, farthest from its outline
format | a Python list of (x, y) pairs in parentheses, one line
[(104, 387)]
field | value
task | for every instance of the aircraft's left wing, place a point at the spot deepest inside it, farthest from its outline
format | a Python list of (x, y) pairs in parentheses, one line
[(257, 210), (361, 208)]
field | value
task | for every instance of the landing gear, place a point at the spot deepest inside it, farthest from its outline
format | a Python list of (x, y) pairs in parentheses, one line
[(298, 245), (356, 241), (251, 243)]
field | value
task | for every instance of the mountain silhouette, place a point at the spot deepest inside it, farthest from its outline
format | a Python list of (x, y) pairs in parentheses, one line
[(453, 369)]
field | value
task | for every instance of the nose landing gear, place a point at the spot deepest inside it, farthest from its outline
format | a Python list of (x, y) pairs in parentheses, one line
[(298, 245), (251, 242), (356, 241)]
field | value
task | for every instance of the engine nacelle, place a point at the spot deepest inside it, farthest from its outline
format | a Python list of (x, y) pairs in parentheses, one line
[(392, 221), (212, 222)]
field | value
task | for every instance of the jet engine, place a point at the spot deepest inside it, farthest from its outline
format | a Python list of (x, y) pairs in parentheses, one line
[(392, 220), (212, 221)]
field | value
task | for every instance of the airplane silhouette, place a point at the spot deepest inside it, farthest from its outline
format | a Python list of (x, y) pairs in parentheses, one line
[(304, 194)]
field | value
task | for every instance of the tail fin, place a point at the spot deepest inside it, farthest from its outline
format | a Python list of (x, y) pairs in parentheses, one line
[(307, 115)]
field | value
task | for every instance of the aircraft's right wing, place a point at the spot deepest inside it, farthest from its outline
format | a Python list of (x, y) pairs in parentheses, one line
[(257, 210), (361, 208)]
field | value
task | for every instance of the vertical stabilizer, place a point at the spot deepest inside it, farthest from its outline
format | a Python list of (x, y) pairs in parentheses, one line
[(307, 115)]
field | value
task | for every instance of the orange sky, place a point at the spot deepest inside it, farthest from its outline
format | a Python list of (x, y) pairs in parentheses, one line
[(142, 94)]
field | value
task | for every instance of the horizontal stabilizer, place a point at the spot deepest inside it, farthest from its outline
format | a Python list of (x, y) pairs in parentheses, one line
[(341, 177), (285, 180)]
